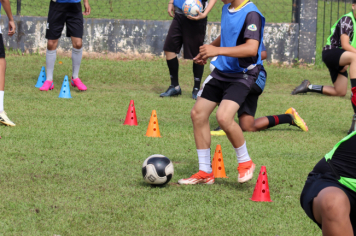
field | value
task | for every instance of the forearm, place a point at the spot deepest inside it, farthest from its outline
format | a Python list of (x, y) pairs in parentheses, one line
[(216, 42), (348, 47), (7, 8), (240, 51), (209, 7)]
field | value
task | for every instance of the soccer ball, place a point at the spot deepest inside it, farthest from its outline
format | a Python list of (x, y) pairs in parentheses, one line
[(191, 7), (157, 169)]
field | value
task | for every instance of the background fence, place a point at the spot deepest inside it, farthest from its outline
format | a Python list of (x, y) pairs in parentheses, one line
[(275, 11), (329, 11)]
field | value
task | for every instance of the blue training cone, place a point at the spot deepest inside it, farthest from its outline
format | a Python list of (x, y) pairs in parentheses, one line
[(41, 78), (65, 90)]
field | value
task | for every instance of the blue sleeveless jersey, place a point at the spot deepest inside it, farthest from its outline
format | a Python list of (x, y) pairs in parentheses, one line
[(179, 3), (68, 1), (231, 25)]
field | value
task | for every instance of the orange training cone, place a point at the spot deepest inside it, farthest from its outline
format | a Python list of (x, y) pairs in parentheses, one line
[(218, 163), (153, 128), (261, 192), (131, 118)]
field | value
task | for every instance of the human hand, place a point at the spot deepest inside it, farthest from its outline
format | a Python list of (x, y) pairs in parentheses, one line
[(198, 60), (87, 8), (344, 69), (12, 28), (207, 51), (170, 9), (198, 17)]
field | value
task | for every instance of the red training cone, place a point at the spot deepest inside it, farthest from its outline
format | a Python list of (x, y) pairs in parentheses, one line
[(261, 192), (131, 118)]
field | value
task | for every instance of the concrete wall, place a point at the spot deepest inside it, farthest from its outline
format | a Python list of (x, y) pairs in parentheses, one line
[(139, 36)]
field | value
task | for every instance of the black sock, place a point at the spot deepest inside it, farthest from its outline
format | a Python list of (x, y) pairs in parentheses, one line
[(315, 88), (173, 67), (198, 71), (280, 119), (353, 97)]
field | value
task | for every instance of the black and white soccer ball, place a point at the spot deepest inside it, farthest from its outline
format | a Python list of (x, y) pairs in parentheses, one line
[(157, 169)]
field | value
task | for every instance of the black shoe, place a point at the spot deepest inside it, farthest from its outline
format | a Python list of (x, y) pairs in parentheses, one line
[(217, 128), (352, 128), (195, 93), (302, 88), (171, 91)]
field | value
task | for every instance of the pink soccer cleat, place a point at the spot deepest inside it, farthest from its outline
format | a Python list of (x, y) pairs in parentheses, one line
[(78, 83), (47, 85)]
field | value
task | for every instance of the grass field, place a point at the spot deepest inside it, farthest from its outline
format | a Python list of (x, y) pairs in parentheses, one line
[(70, 166), (153, 10)]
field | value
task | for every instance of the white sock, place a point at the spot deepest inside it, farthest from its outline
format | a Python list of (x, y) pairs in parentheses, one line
[(242, 154), (204, 160), (77, 55), (50, 61), (1, 101)]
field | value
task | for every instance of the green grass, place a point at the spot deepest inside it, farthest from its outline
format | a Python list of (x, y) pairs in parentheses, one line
[(154, 10), (70, 166)]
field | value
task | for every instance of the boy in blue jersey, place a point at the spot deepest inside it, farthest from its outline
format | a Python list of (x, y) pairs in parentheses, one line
[(238, 50), (12, 29), (189, 32), (247, 111), (67, 12)]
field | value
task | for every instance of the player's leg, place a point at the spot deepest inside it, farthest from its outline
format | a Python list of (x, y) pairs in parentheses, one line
[(338, 74), (331, 209), (200, 118), (171, 48), (3, 116), (349, 58), (55, 24), (75, 30), (193, 38), (234, 95), (208, 99)]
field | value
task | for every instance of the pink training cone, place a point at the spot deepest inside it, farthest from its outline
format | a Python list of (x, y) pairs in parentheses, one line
[(131, 118)]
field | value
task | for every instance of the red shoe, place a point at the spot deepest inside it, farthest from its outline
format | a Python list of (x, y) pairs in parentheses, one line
[(245, 170), (199, 178)]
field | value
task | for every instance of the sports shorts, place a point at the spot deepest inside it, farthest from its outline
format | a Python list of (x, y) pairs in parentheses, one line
[(189, 33), (56, 20), (317, 182), (2, 47), (216, 90), (249, 106), (331, 58)]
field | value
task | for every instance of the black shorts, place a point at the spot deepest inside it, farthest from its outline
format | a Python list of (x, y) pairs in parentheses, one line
[(216, 90), (56, 20), (249, 106), (317, 182), (2, 48), (189, 33), (331, 58)]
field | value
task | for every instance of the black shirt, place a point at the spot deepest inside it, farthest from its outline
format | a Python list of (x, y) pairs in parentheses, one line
[(343, 160), (252, 18), (344, 26), (69, 7)]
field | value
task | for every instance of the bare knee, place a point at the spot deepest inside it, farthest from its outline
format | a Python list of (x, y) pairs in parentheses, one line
[(334, 206), (52, 44), (223, 121), (341, 93), (77, 44), (196, 115)]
